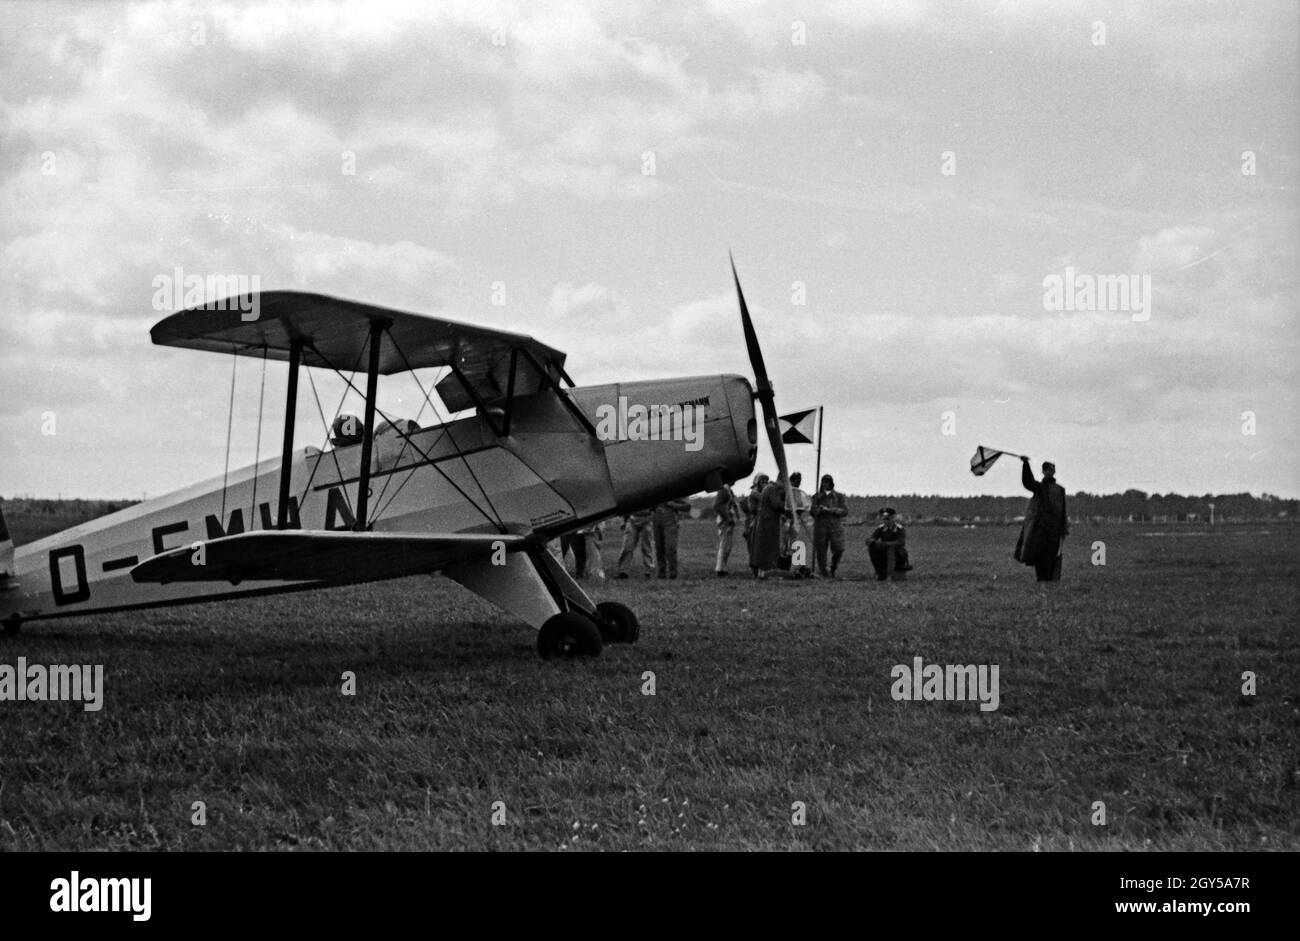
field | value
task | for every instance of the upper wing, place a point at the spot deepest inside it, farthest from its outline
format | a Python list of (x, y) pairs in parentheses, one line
[(336, 332), (325, 557)]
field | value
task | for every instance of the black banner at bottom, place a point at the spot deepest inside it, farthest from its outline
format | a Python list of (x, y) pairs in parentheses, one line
[(96, 891)]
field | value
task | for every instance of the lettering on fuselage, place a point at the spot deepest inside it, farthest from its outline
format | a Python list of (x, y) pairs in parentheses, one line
[(553, 517), (291, 520), (62, 595), (215, 530), (72, 586), (336, 506), (160, 532)]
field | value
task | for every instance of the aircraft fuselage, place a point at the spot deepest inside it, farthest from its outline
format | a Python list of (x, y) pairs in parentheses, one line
[(547, 476)]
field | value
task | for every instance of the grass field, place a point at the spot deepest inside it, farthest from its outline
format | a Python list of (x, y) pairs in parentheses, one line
[(1122, 685)]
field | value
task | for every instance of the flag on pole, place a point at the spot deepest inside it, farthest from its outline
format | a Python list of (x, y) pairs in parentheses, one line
[(798, 427), (983, 460)]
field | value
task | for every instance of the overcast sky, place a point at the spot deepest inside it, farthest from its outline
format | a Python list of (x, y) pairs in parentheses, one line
[(915, 170)]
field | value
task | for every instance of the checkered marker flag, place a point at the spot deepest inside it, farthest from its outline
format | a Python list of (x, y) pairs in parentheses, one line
[(798, 427), (984, 458)]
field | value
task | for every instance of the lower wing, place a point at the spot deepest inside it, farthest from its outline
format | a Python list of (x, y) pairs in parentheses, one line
[(322, 557)]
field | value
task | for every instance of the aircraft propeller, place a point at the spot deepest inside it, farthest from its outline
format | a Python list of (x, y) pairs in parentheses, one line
[(766, 396)]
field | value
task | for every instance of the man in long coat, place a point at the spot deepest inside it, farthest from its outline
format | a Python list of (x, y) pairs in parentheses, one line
[(1042, 538), (765, 552), (750, 507)]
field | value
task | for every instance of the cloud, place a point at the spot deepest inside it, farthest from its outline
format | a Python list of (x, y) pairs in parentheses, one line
[(508, 141), (1173, 248)]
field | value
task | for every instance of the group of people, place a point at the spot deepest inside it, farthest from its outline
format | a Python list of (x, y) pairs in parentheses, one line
[(650, 533), (773, 532), (654, 533)]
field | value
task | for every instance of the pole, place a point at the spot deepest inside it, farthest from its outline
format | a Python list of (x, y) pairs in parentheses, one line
[(821, 409)]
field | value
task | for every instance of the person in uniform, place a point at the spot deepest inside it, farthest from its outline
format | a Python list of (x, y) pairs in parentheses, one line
[(1042, 537), (889, 533), (766, 557), (637, 532), (665, 530), (828, 511), (726, 510), (801, 506), (750, 507)]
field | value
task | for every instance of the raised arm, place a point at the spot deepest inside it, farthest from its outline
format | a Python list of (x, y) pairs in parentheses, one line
[(1027, 476)]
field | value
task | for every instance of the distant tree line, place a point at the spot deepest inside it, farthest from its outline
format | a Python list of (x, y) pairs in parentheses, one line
[(1133, 506), (88, 509)]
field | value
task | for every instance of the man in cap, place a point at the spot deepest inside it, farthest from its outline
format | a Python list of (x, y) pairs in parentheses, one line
[(347, 431), (888, 535), (828, 511), (1042, 537), (801, 506)]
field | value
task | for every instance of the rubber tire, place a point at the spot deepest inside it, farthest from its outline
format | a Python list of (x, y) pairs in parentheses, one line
[(568, 635), (618, 625), (13, 627)]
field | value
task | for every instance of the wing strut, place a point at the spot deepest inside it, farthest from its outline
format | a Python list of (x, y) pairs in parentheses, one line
[(567, 402), (377, 328), (497, 522), (286, 453)]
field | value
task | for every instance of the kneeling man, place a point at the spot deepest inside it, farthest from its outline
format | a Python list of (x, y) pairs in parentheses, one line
[(888, 535)]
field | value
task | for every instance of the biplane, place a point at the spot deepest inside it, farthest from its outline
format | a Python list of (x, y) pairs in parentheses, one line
[(475, 498)]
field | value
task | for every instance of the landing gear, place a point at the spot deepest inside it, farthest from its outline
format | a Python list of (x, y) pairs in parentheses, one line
[(618, 625), (567, 635), (13, 626)]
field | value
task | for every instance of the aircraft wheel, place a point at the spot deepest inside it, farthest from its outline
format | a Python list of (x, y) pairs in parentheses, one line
[(568, 635), (618, 625), (13, 626)]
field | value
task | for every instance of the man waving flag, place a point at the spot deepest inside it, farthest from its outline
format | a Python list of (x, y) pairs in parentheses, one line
[(984, 458)]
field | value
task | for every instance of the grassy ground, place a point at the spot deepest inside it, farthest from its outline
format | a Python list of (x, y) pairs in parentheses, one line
[(1121, 685)]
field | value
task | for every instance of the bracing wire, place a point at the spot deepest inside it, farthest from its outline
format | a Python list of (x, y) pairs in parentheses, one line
[(464, 460), (329, 425), (230, 423), (257, 452), (406, 441), (498, 522)]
